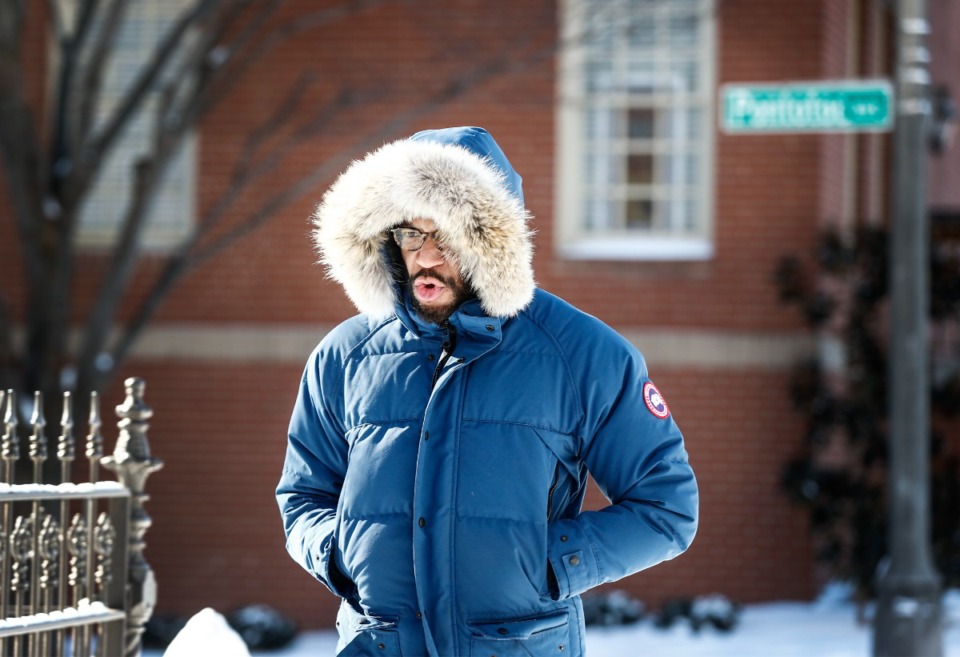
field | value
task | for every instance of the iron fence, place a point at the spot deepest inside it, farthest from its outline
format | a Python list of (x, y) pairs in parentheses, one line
[(73, 578)]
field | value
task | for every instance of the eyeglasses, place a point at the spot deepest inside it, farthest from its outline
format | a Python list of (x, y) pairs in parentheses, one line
[(411, 239)]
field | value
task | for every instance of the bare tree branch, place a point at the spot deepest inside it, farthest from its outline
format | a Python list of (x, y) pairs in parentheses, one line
[(224, 70), (184, 263), (268, 127), (92, 78), (8, 363), (57, 247), (238, 57), (200, 67), (6, 340), (115, 279), (62, 140), (209, 92), (229, 18), (190, 258), (232, 38), (11, 19), (167, 137), (248, 176), (55, 22), (18, 147), (251, 29), (135, 97)]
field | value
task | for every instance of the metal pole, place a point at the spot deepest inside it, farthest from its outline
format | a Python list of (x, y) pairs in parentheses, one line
[(908, 619)]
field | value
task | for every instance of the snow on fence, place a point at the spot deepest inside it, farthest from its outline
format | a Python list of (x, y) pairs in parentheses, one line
[(73, 579)]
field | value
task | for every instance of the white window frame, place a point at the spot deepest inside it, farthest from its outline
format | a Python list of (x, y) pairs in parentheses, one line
[(171, 216), (672, 234)]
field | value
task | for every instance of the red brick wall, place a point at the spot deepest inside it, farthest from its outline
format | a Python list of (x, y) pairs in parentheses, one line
[(945, 169)]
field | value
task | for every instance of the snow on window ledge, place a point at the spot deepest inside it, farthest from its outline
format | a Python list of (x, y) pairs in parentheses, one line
[(656, 249)]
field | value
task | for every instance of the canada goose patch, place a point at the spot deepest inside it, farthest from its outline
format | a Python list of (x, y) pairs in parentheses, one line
[(655, 401)]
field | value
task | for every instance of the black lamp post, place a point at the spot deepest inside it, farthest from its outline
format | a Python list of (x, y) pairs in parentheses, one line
[(908, 619)]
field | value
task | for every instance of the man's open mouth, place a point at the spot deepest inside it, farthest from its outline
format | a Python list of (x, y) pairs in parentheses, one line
[(428, 289)]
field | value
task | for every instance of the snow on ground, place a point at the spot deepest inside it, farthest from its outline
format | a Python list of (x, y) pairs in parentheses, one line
[(826, 628)]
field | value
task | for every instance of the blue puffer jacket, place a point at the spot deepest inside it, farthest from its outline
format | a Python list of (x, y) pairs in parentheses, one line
[(434, 475)]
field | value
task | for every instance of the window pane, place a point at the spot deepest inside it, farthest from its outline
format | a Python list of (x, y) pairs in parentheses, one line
[(640, 214), (694, 118), (600, 29), (642, 74), (640, 169), (683, 30), (600, 214), (599, 125), (684, 75), (599, 75), (640, 30), (640, 121), (599, 169)]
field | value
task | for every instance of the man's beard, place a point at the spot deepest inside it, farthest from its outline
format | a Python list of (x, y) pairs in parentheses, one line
[(437, 313)]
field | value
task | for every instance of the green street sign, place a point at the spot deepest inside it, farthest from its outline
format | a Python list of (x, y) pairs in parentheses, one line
[(838, 106)]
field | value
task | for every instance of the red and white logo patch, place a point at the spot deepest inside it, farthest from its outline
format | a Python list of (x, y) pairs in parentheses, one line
[(655, 401)]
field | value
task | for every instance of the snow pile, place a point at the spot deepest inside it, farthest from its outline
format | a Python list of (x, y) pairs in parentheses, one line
[(825, 628), (207, 633)]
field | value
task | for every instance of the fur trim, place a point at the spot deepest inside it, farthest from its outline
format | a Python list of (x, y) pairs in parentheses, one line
[(485, 226)]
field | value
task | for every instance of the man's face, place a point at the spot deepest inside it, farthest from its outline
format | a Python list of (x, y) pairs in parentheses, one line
[(435, 284)]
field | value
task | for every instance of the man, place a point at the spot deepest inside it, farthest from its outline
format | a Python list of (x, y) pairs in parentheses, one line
[(440, 444)]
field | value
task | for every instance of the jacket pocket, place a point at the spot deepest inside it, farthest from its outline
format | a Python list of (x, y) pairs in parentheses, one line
[(536, 636), (365, 636)]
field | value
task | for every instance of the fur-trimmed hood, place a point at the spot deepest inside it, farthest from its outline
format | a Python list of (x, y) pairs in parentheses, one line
[(459, 178)]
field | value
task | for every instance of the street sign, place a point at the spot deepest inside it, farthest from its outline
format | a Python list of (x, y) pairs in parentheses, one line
[(835, 106)]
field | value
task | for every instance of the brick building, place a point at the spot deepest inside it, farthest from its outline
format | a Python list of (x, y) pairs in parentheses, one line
[(647, 216)]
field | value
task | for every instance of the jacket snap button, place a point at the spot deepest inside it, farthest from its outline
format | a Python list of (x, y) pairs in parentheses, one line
[(381, 646), (430, 356), (574, 561), (503, 630), (419, 615), (426, 435), (560, 648), (563, 539), (422, 522), (489, 327)]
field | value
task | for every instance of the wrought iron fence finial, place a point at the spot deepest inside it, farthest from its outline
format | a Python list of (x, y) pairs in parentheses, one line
[(38, 440), (66, 446), (10, 450)]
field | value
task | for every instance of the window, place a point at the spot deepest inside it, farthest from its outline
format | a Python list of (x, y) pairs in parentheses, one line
[(635, 129), (171, 214)]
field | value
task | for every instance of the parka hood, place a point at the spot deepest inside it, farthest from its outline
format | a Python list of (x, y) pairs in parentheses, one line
[(457, 177)]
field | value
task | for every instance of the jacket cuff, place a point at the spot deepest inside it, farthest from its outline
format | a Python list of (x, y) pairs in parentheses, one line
[(331, 572), (572, 558)]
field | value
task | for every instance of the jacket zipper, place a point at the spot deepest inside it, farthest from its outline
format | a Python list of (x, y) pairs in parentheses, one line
[(553, 489), (448, 346)]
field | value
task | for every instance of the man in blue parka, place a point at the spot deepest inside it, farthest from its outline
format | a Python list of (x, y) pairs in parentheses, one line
[(440, 443)]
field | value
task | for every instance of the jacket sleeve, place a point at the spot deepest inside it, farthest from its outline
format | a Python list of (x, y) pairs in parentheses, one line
[(312, 477), (637, 457)]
